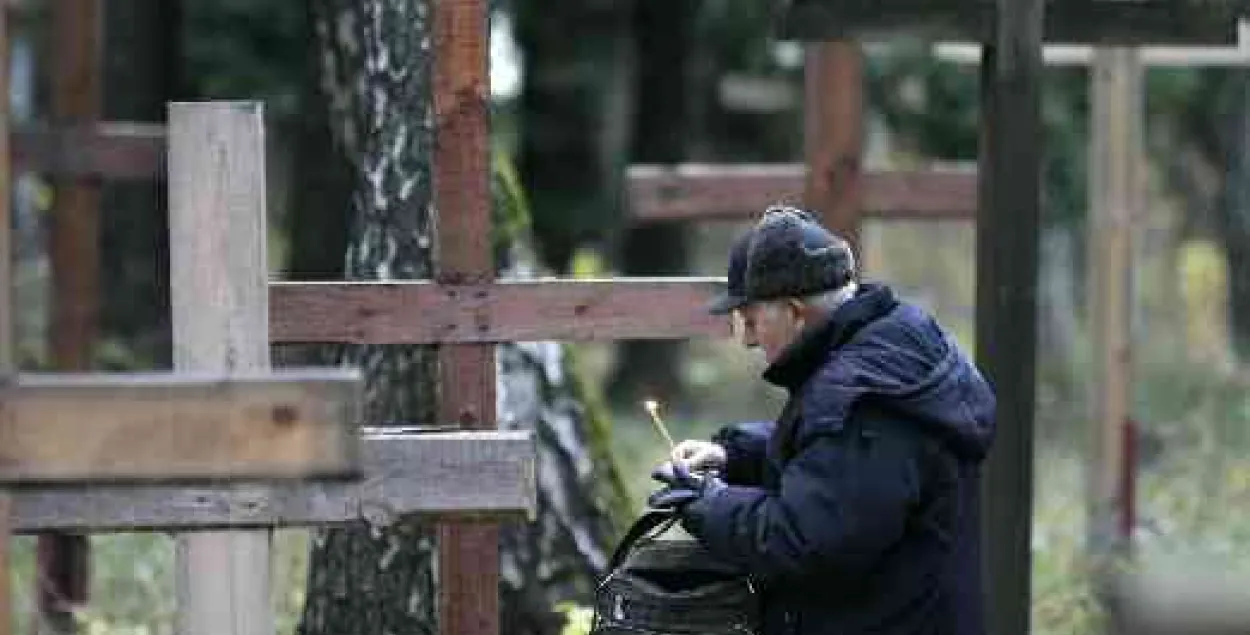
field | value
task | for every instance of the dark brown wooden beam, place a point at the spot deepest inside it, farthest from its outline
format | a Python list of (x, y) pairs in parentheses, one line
[(468, 552), (116, 150), (730, 192), (427, 313), (77, 99), (1008, 231), (834, 136), (1106, 22)]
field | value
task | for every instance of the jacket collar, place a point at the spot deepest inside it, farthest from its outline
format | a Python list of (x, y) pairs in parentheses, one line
[(811, 348)]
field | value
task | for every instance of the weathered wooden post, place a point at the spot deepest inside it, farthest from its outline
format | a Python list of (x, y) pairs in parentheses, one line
[(219, 298)]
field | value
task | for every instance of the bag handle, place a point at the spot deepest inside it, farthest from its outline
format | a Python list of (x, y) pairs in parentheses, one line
[(641, 527)]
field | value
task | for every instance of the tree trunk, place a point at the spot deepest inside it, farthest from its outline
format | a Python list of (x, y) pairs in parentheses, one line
[(375, 72), (1221, 140), (575, 113), (371, 580), (141, 64), (320, 190), (663, 36), (1234, 215)]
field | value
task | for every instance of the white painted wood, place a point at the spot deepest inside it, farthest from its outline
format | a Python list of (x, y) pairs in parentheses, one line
[(1150, 56), (218, 275)]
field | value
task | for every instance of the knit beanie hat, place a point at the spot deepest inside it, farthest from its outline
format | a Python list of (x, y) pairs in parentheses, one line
[(792, 255)]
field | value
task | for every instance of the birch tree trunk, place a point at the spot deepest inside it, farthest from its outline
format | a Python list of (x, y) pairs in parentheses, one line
[(376, 61), (375, 72)]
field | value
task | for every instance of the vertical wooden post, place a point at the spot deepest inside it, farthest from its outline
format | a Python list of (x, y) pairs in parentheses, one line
[(75, 252), (1006, 317), (1115, 200), (468, 552), (833, 135), (219, 300), (75, 261), (7, 334)]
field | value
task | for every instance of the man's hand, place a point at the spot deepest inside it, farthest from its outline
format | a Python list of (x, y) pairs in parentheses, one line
[(699, 456), (683, 486)]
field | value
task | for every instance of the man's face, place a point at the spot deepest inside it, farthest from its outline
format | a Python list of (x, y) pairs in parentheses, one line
[(770, 326)]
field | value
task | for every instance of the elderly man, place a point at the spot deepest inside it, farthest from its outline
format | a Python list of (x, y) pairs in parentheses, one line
[(857, 510)]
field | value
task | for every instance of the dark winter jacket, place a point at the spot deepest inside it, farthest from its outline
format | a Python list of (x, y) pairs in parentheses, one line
[(857, 511)]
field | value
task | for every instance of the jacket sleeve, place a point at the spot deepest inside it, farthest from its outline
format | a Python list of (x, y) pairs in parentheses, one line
[(843, 501), (746, 448)]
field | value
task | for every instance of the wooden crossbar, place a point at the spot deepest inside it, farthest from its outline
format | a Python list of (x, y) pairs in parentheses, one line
[(528, 310), (113, 150), (702, 191), (75, 429), (476, 474)]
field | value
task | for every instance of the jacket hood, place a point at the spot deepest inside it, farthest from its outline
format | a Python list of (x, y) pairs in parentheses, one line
[(893, 355)]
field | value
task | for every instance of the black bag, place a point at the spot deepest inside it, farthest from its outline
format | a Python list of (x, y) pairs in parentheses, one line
[(663, 587)]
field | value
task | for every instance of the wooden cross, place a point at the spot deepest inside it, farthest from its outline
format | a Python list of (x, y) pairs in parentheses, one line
[(222, 443), (291, 437), (1117, 198), (215, 159)]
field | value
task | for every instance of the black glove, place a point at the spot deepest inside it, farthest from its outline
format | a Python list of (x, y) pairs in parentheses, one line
[(682, 486)]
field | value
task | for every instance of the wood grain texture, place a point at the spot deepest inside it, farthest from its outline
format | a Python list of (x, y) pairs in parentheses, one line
[(1116, 196), (478, 474), (75, 256), (468, 552), (834, 136), (710, 191), (106, 150), (530, 310), (156, 427), (218, 275)]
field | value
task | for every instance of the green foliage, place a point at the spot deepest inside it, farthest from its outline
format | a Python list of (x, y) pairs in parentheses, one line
[(245, 49), (578, 618), (934, 107), (510, 220)]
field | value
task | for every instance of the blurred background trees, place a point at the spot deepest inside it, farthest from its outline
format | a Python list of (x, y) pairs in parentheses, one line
[(582, 90)]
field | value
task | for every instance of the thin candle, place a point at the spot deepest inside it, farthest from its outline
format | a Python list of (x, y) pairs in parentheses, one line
[(653, 409)]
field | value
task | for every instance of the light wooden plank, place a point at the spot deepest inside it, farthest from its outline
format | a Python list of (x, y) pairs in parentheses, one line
[(687, 192), (1116, 195), (411, 312), (1150, 56), (160, 426), (469, 474), (218, 276)]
